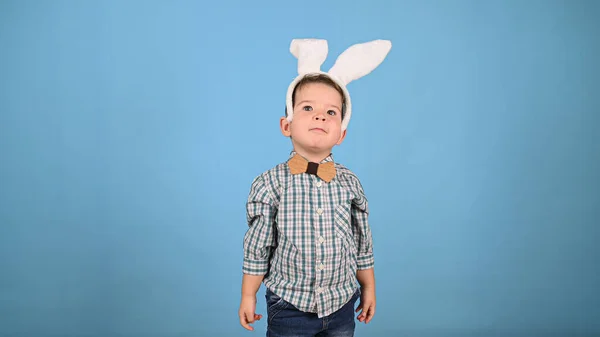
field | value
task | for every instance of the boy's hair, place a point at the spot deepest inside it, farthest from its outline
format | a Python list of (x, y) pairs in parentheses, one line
[(323, 79)]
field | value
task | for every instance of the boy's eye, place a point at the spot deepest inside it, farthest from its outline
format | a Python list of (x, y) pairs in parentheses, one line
[(307, 108), (331, 112)]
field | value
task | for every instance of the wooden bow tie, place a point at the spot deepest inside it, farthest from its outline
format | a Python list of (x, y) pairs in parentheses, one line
[(325, 171)]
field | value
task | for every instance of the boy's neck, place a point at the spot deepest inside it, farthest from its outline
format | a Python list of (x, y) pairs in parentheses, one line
[(315, 157)]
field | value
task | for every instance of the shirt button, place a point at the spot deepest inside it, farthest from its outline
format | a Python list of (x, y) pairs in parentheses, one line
[(321, 239), (319, 211), (319, 290), (321, 266), (319, 183)]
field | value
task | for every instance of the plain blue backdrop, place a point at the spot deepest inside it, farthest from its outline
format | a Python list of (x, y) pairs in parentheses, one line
[(130, 132)]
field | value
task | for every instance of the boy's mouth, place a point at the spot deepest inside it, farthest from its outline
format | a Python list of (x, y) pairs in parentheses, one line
[(318, 129)]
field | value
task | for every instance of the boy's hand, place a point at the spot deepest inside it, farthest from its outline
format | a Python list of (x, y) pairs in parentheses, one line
[(367, 305), (247, 312)]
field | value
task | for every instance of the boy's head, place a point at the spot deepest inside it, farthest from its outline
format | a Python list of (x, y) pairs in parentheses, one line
[(318, 108), (318, 105)]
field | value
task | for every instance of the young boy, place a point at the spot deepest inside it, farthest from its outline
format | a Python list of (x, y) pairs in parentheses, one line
[(308, 239)]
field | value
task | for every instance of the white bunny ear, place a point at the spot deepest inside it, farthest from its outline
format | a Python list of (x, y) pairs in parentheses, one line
[(360, 59), (311, 53)]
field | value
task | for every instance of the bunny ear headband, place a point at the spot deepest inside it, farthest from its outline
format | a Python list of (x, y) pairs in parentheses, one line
[(354, 63)]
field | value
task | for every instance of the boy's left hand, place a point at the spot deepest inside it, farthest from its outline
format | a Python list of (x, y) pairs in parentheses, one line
[(367, 305)]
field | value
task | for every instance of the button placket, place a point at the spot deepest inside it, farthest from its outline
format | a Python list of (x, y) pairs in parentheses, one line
[(319, 265)]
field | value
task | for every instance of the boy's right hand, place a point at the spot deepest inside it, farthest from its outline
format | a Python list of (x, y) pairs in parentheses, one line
[(247, 312)]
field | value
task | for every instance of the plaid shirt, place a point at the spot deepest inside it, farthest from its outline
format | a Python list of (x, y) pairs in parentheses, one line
[(308, 237)]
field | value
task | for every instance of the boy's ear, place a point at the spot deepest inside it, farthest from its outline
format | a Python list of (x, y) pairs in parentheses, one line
[(342, 137), (284, 124)]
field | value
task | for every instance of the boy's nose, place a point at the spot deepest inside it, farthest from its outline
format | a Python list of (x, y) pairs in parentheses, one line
[(320, 116)]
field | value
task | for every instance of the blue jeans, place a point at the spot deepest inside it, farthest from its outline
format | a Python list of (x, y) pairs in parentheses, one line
[(285, 320)]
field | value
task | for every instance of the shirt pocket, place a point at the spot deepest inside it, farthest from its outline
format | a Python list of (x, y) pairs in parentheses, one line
[(343, 232), (343, 226)]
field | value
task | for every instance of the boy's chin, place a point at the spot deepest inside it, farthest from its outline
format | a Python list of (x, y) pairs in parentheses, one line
[(316, 145)]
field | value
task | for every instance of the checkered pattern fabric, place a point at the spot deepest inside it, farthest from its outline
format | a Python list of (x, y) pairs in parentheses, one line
[(308, 237)]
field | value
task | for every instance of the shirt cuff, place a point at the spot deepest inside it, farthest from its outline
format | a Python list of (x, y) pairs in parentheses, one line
[(365, 261), (255, 267)]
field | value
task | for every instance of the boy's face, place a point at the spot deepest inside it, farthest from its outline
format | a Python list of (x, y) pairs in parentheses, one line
[(317, 123)]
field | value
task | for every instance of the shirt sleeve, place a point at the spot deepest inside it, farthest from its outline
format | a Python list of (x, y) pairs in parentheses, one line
[(259, 240), (361, 229)]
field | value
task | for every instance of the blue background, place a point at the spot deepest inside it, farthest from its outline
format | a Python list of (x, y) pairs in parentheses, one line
[(130, 132)]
